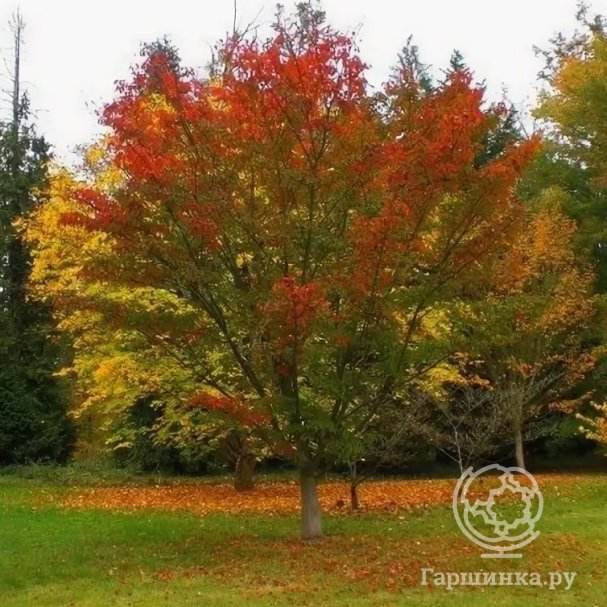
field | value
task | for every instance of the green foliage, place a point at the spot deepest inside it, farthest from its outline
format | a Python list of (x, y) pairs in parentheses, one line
[(136, 443), (33, 422), (573, 112)]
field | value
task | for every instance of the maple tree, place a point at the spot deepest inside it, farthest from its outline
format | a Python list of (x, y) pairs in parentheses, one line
[(531, 323), (308, 229), (124, 362), (523, 350)]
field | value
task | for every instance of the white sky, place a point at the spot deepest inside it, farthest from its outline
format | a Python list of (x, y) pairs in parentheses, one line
[(76, 49)]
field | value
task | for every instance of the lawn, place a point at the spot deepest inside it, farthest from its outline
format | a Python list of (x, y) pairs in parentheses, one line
[(145, 545)]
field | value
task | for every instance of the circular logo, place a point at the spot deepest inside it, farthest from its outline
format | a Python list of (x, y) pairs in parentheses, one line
[(498, 516)]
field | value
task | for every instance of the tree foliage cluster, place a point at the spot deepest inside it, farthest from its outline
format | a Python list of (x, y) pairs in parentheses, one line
[(268, 260), (33, 425)]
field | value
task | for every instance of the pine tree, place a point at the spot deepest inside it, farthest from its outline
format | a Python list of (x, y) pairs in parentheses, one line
[(33, 422)]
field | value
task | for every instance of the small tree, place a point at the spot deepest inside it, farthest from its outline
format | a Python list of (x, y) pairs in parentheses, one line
[(467, 424), (130, 346), (529, 327), (388, 440)]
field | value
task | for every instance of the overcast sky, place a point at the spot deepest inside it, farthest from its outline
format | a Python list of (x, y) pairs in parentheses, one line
[(76, 49)]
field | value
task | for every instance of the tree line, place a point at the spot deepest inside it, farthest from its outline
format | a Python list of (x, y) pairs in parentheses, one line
[(270, 261)]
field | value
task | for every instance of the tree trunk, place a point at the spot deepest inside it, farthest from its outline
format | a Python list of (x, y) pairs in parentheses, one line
[(311, 515), (518, 447), (354, 501), (245, 467)]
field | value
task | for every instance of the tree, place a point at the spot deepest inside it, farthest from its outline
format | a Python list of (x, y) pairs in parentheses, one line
[(573, 112), (33, 423), (465, 423), (310, 229), (387, 441), (135, 354), (530, 325), (595, 427)]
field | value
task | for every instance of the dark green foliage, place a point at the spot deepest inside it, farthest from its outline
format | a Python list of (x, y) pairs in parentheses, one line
[(33, 421), (139, 449)]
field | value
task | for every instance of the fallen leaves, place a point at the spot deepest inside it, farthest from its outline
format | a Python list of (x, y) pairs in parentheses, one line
[(278, 497), (360, 559), (363, 564)]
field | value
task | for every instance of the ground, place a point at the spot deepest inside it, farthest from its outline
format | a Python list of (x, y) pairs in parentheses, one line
[(66, 544)]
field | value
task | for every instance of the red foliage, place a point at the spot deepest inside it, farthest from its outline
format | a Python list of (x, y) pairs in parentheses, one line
[(309, 84), (292, 310), (283, 159), (235, 409)]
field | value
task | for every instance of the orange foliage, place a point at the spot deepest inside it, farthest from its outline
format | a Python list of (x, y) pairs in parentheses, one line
[(277, 498), (234, 409)]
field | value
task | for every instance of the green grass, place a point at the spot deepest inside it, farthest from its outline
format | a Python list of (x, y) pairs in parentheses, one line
[(54, 557)]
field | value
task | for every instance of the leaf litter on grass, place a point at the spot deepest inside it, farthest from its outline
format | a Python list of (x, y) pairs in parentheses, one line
[(277, 497)]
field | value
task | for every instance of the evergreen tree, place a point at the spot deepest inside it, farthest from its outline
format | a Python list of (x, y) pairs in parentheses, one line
[(33, 422)]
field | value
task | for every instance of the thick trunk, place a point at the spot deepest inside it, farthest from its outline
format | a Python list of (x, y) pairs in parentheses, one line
[(354, 501), (245, 467), (311, 515), (518, 447)]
